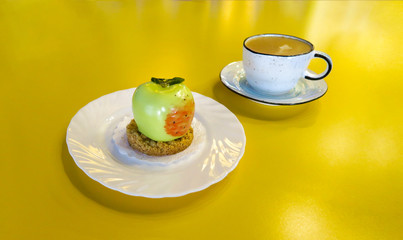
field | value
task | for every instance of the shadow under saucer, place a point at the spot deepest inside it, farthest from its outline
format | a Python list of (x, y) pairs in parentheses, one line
[(246, 107)]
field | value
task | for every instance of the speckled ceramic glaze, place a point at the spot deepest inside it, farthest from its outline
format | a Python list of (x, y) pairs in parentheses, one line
[(275, 74), (233, 77)]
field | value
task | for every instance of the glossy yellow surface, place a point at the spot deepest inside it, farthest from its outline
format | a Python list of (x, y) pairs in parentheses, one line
[(330, 169)]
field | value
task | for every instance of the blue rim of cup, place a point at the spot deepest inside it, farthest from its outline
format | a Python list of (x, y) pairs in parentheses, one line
[(277, 35)]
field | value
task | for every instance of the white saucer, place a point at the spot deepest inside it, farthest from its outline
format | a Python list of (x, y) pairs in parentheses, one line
[(90, 143), (233, 77)]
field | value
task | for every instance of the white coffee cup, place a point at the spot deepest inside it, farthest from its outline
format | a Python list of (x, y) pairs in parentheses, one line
[(275, 72)]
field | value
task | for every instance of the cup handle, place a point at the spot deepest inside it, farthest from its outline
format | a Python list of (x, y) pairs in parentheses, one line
[(313, 76)]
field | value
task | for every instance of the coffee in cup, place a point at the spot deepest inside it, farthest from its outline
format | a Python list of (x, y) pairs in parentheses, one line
[(274, 63)]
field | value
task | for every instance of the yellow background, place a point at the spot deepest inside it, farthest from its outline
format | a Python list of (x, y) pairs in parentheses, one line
[(330, 169)]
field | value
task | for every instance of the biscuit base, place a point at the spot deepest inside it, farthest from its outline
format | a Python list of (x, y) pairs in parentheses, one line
[(142, 143)]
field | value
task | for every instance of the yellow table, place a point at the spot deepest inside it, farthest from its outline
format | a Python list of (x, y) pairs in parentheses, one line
[(330, 169)]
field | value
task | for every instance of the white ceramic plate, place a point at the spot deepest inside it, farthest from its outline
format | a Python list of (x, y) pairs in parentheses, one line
[(233, 77), (90, 143)]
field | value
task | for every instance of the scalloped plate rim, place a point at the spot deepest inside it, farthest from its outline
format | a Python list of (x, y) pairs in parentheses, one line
[(194, 190)]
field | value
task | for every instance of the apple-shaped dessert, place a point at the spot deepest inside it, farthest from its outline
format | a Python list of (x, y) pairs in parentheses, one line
[(163, 111)]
